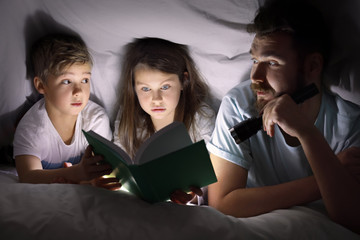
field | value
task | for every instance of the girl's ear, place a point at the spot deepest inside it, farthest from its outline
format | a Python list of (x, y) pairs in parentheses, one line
[(39, 85), (186, 79)]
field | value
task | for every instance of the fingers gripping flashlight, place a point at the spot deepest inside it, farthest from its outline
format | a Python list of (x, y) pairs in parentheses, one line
[(245, 129)]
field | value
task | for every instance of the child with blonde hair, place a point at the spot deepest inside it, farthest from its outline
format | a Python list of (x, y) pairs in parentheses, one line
[(49, 135)]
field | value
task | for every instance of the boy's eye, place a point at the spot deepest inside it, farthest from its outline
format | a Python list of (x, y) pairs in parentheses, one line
[(254, 60), (85, 80), (66, 82), (165, 87), (145, 89)]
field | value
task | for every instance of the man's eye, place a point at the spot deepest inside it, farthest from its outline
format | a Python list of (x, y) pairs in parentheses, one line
[(145, 89), (66, 82), (273, 63), (165, 87), (85, 80)]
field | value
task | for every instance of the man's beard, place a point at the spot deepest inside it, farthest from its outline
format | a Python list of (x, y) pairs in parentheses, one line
[(260, 103), (267, 89)]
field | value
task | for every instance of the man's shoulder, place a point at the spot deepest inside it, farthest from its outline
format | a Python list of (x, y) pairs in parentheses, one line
[(341, 106), (241, 97)]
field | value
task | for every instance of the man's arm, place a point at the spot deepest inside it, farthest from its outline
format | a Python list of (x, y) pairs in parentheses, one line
[(230, 196), (339, 187)]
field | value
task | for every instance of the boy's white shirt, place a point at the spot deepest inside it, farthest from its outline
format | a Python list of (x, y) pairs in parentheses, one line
[(35, 135)]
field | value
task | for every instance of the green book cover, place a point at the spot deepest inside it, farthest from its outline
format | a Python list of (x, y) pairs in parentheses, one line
[(167, 161)]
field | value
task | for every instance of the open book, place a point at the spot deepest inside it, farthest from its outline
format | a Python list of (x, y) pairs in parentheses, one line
[(165, 162)]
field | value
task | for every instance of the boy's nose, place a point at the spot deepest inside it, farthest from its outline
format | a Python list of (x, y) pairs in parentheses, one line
[(77, 90)]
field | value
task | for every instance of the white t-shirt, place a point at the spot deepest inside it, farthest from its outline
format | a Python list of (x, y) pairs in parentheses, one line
[(271, 161), (36, 135)]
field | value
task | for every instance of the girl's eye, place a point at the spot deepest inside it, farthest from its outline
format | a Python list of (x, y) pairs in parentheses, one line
[(254, 61), (85, 80), (66, 82), (165, 87), (145, 89)]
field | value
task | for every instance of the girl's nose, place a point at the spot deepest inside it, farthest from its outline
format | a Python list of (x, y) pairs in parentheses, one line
[(156, 96)]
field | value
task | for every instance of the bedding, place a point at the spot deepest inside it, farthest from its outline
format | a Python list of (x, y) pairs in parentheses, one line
[(215, 32)]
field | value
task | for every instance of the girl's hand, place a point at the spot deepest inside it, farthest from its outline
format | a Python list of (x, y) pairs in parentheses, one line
[(181, 197), (110, 183)]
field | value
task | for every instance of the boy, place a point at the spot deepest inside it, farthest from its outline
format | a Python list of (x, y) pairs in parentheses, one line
[(49, 135)]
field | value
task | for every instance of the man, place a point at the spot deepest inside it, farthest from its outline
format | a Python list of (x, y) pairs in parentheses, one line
[(292, 160)]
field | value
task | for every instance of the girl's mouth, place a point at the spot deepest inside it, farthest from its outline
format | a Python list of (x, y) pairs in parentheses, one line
[(158, 109)]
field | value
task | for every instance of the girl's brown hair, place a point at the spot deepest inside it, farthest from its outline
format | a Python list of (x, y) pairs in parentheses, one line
[(167, 57)]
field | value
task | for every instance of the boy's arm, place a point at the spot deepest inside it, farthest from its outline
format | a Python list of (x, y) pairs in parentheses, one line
[(230, 196), (30, 170)]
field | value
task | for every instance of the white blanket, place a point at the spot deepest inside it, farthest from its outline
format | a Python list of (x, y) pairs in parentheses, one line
[(67, 211)]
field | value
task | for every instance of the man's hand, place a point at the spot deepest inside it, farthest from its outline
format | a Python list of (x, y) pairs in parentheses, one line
[(284, 112), (350, 158)]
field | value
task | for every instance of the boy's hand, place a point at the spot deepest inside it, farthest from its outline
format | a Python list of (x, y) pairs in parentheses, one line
[(91, 166), (110, 183), (181, 197)]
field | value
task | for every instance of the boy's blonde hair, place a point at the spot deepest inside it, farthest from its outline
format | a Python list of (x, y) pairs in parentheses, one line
[(53, 53)]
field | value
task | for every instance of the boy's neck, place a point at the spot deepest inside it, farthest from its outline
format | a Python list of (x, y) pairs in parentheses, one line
[(65, 127)]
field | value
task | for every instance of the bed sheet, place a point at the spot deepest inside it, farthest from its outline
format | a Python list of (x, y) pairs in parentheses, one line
[(60, 211)]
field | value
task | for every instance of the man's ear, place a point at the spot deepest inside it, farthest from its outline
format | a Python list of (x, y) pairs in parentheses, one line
[(314, 65), (39, 85)]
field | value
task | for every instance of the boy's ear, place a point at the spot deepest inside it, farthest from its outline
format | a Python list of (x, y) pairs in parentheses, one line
[(39, 85)]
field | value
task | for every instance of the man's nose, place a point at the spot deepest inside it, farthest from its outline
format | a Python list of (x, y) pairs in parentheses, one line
[(258, 72)]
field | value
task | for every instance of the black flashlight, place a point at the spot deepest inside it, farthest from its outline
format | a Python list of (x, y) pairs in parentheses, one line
[(245, 129)]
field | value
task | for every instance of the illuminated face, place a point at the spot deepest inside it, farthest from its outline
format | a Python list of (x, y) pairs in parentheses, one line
[(275, 67), (67, 94), (158, 94)]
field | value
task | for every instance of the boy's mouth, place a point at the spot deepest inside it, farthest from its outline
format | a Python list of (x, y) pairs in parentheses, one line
[(76, 104)]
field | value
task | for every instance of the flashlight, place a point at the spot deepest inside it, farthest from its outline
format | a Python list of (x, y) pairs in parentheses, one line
[(245, 129)]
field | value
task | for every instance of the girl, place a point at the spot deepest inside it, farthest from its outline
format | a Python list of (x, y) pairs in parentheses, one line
[(160, 85)]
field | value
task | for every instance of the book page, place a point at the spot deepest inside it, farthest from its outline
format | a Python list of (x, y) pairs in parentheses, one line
[(170, 138)]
